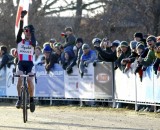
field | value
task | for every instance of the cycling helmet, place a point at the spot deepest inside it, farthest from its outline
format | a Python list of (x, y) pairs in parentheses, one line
[(96, 40)]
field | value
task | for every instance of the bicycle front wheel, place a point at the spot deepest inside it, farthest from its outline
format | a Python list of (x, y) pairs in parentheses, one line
[(24, 105)]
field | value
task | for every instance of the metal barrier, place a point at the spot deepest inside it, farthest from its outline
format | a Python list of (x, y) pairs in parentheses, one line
[(99, 84)]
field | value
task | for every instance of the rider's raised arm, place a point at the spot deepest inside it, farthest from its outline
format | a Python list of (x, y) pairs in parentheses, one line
[(20, 31)]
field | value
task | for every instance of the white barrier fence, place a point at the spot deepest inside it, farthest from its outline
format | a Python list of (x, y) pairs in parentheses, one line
[(128, 86), (97, 83)]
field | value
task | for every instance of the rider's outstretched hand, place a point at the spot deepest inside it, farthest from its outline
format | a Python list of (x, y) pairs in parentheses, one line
[(23, 13)]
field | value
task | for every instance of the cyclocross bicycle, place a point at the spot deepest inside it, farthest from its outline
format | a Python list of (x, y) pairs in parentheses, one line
[(24, 93)]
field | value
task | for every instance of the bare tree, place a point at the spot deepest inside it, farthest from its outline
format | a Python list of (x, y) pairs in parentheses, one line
[(7, 14)]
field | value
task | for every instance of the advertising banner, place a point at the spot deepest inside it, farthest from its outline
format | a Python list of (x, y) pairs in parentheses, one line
[(50, 85), (103, 81)]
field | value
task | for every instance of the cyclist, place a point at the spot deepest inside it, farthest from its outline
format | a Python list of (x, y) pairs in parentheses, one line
[(25, 50)]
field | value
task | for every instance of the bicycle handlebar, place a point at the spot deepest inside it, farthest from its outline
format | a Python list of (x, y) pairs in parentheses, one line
[(24, 75)]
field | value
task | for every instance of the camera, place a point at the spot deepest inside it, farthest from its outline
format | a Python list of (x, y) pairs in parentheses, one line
[(63, 34)]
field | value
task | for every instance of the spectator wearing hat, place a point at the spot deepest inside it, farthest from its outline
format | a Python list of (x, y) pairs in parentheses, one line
[(156, 65), (150, 58), (87, 57), (139, 38), (50, 58), (114, 45), (126, 52)]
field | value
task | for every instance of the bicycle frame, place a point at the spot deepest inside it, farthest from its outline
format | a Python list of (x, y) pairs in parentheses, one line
[(24, 94)]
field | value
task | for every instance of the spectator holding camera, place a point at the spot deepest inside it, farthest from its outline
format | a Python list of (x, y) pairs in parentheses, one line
[(104, 51), (88, 56), (69, 40), (69, 37)]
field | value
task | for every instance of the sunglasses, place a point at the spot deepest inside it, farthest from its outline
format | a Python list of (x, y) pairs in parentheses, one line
[(149, 40), (26, 30)]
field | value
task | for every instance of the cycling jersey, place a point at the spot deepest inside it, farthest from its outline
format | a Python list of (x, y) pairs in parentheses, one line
[(25, 51)]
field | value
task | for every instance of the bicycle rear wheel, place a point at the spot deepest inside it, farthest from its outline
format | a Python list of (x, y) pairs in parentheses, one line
[(25, 116)]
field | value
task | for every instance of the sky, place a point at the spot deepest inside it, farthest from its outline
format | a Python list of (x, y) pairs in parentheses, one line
[(70, 13)]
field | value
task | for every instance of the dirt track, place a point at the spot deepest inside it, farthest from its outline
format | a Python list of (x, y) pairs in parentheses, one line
[(77, 118)]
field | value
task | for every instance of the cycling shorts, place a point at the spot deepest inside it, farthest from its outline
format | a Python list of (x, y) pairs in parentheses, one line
[(25, 66)]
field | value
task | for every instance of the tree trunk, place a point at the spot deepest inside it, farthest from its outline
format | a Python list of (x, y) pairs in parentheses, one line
[(78, 15)]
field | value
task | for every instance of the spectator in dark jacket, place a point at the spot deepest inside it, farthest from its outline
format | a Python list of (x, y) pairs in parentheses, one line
[(140, 51), (4, 56), (132, 57), (69, 37), (68, 62), (50, 58), (126, 52), (106, 54)]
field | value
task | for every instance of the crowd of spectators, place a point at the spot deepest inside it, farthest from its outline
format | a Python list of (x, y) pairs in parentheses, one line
[(144, 50)]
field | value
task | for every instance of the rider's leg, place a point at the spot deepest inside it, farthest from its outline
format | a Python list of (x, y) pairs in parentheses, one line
[(30, 85), (19, 84), (31, 92)]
